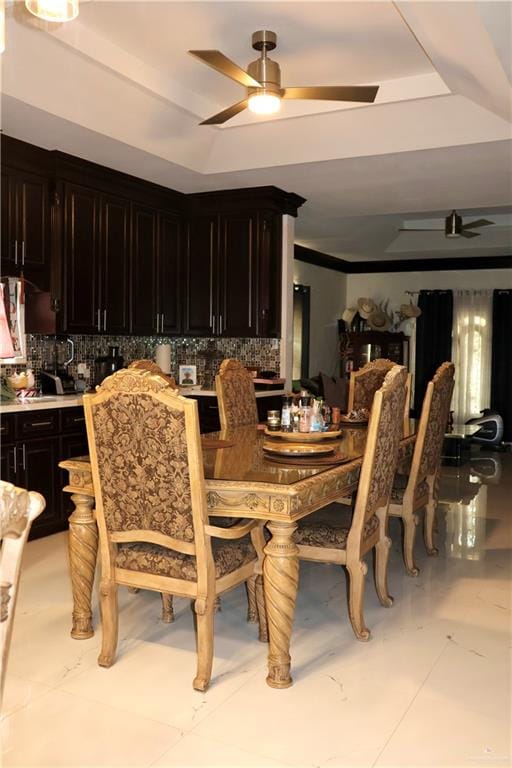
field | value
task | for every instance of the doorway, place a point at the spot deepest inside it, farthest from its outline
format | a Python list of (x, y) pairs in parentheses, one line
[(301, 319)]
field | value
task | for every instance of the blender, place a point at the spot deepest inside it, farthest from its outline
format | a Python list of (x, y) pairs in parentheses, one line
[(55, 379)]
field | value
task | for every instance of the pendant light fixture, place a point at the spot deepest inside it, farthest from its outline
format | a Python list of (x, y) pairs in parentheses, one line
[(53, 10)]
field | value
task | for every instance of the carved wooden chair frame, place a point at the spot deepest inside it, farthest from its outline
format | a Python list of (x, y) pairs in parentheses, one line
[(232, 372), (375, 369), (149, 365), (207, 586), (368, 504), (425, 469), (18, 509)]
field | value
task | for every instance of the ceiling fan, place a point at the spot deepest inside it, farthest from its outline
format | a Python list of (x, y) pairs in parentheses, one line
[(453, 226), (263, 82)]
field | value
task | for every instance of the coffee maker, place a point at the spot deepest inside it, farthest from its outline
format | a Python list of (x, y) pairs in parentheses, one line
[(106, 365), (55, 379)]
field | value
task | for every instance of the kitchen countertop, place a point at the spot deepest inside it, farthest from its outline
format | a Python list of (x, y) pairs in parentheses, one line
[(49, 402)]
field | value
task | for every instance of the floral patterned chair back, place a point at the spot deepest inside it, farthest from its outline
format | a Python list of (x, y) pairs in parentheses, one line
[(432, 425), (149, 365), (381, 452), (235, 395), (18, 509), (147, 465), (365, 383)]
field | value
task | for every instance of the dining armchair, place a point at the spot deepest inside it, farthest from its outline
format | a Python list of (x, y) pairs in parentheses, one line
[(365, 382), (154, 532), (18, 509), (416, 486), (235, 395), (333, 535)]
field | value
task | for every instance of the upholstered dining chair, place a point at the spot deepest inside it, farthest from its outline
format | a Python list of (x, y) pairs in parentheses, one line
[(365, 382), (331, 536), (149, 365), (419, 487), (235, 395), (18, 509), (151, 508)]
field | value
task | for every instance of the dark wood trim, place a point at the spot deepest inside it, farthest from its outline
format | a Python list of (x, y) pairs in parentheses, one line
[(319, 259), (224, 200)]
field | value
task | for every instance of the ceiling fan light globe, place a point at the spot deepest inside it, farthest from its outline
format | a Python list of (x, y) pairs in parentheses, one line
[(264, 103), (53, 10)]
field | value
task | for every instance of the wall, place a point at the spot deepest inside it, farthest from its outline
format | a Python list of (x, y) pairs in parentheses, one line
[(327, 304), (392, 285)]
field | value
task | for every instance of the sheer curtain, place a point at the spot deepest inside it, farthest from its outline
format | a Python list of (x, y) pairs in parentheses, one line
[(472, 350)]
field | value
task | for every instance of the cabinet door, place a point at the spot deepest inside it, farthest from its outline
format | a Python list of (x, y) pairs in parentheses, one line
[(33, 203), (237, 276), (38, 471), (82, 311), (115, 266), (169, 274), (10, 245), (144, 265), (199, 282), (270, 274), (7, 463)]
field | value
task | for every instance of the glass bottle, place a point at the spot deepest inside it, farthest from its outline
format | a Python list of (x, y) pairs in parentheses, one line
[(286, 414)]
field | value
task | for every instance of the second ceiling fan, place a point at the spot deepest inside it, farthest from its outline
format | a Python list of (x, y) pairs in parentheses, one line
[(263, 82)]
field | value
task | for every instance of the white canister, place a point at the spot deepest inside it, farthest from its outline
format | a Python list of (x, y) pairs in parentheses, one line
[(163, 357)]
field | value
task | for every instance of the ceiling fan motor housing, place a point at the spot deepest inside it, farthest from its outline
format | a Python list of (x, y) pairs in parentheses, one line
[(453, 225), (265, 70)]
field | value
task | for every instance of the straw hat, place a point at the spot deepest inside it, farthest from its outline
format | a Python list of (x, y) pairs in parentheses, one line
[(410, 310), (379, 321), (348, 315), (365, 307)]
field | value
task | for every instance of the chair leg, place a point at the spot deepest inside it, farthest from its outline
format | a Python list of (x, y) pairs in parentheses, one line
[(252, 608), (357, 572), (109, 623), (410, 523), (167, 608), (261, 610), (381, 571), (430, 517), (204, 613)]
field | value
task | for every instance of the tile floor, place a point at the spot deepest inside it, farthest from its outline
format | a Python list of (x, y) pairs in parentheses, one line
[(431, 688)]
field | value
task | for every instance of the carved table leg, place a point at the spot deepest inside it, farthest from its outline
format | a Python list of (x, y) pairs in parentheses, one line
[(281, 578), (83, 549)]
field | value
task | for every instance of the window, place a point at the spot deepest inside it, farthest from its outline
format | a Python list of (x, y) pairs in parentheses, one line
[(471, 353)]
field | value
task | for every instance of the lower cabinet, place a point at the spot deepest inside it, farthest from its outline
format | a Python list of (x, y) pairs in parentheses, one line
[(32, 446)]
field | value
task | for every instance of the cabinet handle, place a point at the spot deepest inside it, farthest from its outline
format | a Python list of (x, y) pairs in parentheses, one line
[(78, 418), (162, 323), (22, 253), (98, 319), (157, 321), (24, 457), (15, 457), (104, 319), (16, 252), (220, 325), (213, 324), (41, 423)]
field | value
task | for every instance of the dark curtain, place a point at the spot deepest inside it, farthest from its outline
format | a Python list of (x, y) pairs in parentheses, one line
[(433, 339), (501, 371)]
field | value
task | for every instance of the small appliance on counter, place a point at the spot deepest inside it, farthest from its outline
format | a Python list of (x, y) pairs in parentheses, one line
[(55, 379), (107, 364)]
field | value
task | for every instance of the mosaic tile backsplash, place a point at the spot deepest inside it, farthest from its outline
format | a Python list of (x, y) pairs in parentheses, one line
[(206, 354)]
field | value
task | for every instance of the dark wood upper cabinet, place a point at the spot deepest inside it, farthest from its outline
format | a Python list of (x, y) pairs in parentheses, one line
[(144, 308), (237, 275), (200, 278), (81, 230), (270, 234), (114, 277), (169, 275)]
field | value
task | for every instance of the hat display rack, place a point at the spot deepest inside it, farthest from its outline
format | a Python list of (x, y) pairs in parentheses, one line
[(376, 317)]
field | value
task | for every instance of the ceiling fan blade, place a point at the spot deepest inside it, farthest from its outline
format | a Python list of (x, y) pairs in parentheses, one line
[(477, 223), (226, 114), (466, 233), (225, 66), (364, 93)]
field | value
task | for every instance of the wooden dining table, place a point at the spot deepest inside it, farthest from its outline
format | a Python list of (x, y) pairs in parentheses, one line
[(240, 482)]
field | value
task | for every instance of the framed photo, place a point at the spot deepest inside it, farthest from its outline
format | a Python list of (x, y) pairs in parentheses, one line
[(187, 375)]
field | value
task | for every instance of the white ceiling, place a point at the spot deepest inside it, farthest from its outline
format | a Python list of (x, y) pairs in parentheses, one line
[(117, 86)]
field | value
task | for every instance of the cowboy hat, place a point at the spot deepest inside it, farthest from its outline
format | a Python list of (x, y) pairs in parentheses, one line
[(379, 321), (348, 315), (410, 310), (365, 307)]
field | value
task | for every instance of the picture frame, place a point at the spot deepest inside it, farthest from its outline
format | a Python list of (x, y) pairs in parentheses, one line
[(187, 375)]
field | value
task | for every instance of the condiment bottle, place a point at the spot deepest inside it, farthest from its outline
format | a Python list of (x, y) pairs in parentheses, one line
[(335, 416), (286, 414), (305, 415), (273, 421)]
